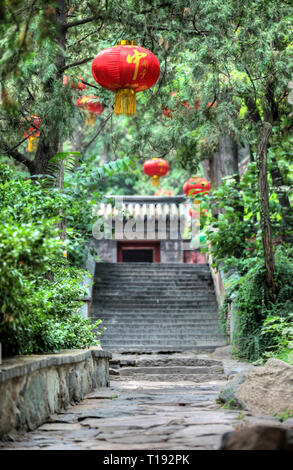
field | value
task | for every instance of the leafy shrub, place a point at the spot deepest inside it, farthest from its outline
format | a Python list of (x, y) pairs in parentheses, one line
[(39, 333), (234, 222), (265, 327), (40, 291)]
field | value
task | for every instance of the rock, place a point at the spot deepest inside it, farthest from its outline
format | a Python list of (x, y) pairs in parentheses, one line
[(288, 423), (232, 368), (229, 394), (224, 352), (252, 421), (268, 390), (258, 438)]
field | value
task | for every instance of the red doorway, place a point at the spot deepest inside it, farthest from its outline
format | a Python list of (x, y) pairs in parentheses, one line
[(138, 252)]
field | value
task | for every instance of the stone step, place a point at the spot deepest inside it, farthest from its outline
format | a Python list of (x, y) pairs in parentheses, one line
[(195, 378), (142, 335), (159, 345), (153, 266), (140, 277), (162, 361), (203, 311), (156, 284), (154, 304), (171, 370), (149, 300), (160, 295), (191, 314), (155, 307), (160, 326), (173, 331), (155, 272), (148, 322), (161, 348), (151, 317), (137, 350), (154, 288)]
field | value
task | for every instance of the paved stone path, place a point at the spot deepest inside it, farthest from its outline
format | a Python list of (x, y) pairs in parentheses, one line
[(143, 412)]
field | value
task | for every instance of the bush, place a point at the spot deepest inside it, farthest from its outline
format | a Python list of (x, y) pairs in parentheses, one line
[(39, 290), (265, 327)]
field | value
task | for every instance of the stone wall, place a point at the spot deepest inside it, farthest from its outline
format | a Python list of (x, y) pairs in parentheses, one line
[(171, 251), (34, 387)]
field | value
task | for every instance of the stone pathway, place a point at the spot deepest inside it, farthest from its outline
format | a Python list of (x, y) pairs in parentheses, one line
[(150, 404)]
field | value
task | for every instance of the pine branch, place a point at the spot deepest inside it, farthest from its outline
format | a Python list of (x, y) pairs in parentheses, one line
[(74, 64), (86, 36), (163, 5), (16, 155), (98, 132), (72, 24)]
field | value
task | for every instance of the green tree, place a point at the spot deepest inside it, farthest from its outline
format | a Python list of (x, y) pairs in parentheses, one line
[(228, 61)]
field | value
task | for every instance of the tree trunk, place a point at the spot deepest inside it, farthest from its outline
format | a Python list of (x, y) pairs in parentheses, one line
[(224, 162), (49, 141), (287, 212), (263, 189)]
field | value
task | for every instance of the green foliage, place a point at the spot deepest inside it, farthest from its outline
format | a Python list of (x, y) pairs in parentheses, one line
[(51, 321), (40, 291), (265, 327), (284, 416), (233, 222)]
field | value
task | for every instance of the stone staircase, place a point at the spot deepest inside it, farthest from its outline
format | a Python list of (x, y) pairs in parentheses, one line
[(156, 307)]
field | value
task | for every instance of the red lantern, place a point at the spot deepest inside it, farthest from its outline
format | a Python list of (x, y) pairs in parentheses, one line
[(91, 106), (33, 133), (126, 69), (72, 81), (196, 185), (156, 167)]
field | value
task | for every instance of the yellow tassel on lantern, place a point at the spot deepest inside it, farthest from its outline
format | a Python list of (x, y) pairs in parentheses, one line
[(32, 144), (155, 180), (90, 120), (125, 102)]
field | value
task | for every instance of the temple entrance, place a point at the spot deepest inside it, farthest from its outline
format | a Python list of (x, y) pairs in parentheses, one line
[(138, 252)]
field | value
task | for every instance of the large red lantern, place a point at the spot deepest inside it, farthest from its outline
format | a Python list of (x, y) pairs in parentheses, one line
[(156, 167), (196, 185), (33, 133), (91, 106), (126, 69)]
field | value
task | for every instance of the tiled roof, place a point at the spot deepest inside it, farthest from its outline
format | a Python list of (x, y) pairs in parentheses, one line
[(140, 207)]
